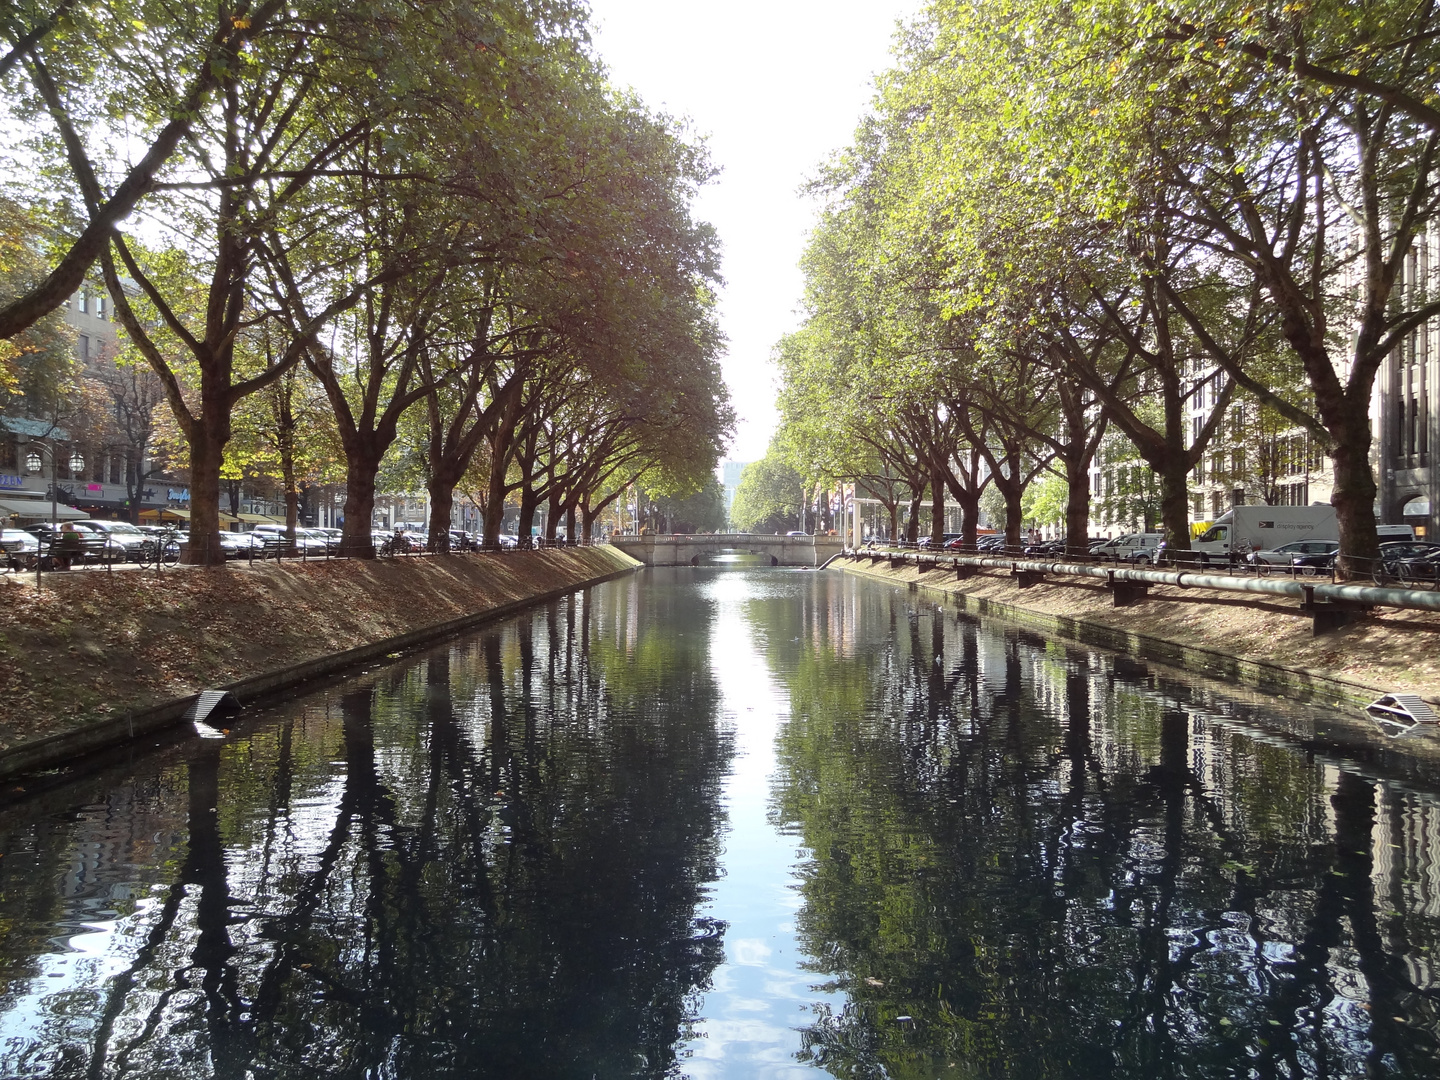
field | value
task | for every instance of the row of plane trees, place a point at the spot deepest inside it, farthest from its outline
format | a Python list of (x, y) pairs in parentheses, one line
[(438, 218), (1174, 226)]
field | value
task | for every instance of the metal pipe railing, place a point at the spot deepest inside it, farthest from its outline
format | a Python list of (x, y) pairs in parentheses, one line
[(1418, 599)]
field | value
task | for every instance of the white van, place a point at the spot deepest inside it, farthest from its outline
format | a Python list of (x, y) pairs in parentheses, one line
[(1132, 547), (1390, 533)]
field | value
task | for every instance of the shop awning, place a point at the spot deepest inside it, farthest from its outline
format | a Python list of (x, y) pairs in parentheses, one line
[(170, 514), (38, 510), (260, 519)]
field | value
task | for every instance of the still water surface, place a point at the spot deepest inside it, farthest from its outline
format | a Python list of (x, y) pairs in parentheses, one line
[(733, 823)]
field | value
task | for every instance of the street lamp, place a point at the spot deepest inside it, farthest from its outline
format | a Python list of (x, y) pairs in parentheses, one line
[(33, 463)]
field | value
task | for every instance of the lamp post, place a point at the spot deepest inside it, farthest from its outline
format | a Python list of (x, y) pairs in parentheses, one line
[(33, 463)]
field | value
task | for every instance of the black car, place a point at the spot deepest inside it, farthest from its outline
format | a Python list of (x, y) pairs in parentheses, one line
[(1046, 547), (1310, 565), (1405, 560), (1411, 560)]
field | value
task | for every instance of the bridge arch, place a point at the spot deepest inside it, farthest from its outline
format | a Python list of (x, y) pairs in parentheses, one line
[(695, 559), (687, 550)]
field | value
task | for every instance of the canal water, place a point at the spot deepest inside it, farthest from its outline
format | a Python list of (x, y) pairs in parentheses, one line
[(725, 823)]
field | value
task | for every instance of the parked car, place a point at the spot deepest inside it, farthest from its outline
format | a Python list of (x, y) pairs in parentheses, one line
[(276, 540), (125, 541), (397, 541), (320, 542), (21, 548), (1141, 547), (1046, 547), (460, 540), (1265, 561), (1311, 565), (241, 545), (1419, 568), (93, 545), (1411, 560)]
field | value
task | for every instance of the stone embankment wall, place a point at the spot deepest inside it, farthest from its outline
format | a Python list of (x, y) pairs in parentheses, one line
[(91, 659), (1258, 641)]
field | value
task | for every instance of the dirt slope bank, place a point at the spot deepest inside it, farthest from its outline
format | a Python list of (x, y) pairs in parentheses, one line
[(87, 647), (1271, 640)]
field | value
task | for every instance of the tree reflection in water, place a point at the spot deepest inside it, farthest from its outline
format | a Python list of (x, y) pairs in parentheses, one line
[(1021, 859), (485, 862), (1028, 860)]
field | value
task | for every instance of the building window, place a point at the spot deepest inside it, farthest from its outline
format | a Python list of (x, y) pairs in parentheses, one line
[(85, 348), (115, 469), (100, 307), (9, 460)]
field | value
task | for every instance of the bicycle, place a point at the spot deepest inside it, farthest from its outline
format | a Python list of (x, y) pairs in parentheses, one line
[(394, 545), (163, 550)]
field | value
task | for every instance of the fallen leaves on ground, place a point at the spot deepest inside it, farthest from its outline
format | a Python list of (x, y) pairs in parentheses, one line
[(86, 645)]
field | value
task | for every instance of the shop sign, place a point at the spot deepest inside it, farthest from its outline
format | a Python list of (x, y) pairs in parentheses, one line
[(8, 480)]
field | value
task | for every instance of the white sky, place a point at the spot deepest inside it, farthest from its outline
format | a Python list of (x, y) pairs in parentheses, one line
[(776, 86)]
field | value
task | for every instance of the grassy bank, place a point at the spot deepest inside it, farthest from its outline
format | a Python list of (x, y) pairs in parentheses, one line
[(89, 648), (1262, 642)]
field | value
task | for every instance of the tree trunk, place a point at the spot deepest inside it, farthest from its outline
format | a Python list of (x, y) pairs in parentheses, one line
[(1354, 501), (1077, 503), (912, 526), (207, 451), (495, 503), (969, 518), (937, 509), (442, 506), (356, 540), (134, 487), (570, 524), (528, 502), (1175, 503), (1014, 514), (552, 519), (292, 496)]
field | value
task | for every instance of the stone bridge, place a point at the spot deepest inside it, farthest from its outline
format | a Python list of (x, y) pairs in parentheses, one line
[(685, 550)]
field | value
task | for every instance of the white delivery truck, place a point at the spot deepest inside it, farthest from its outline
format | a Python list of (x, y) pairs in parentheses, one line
[(1243, 529)]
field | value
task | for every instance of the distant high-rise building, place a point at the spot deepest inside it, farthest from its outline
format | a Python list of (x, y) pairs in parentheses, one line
[(730, 478)]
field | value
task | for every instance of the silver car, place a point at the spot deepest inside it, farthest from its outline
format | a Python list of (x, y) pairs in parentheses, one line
[(1264, 561)]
